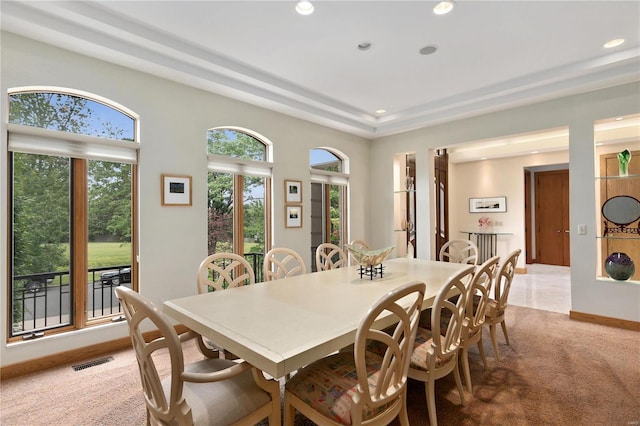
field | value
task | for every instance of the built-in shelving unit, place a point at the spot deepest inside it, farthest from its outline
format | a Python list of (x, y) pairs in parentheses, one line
[(618, 211), (404, 205)]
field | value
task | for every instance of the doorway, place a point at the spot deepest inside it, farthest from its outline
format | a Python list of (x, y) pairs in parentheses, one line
[(551, 210)]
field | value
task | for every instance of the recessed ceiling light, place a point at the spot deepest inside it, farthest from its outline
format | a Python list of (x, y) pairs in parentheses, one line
[(428, 50), (365, 45), (444, 7), (304, 7), (381, 111), (613, 43)]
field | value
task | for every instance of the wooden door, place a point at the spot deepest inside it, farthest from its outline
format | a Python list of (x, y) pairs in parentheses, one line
[(620, 242), (552, 217)]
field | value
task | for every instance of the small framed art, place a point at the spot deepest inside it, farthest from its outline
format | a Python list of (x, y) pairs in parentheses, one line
[(293, 191), (293, 217), (176, 190), (488, 205)]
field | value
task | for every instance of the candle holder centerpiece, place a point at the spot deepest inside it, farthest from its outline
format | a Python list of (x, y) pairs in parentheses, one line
[(370, 261)]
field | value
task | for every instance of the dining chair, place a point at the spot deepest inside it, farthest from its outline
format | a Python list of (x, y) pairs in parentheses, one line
[(330, 256), (435, 355), (220, 271), (496, 307), (282, 262), (459, 251), (477, 301), (362, 387), (205, 392)]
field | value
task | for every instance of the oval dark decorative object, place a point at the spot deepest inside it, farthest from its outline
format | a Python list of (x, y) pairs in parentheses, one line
[(619, 266)]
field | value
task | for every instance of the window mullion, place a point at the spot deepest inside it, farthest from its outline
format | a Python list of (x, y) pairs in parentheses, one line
[(326, 192), (79, 241), (238, 214), (267, 214)]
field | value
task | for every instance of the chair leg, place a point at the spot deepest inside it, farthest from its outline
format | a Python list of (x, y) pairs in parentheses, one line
[(429, 388), (289, 412), (404, 415), (504, 330), (456, 375), (494, 341), (482, 355), (275, 418), (465, 368)]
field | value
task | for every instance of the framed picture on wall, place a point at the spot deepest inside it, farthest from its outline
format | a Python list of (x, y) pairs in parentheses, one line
[(488, 205), (293, 217), (176, 190), (293, 191)]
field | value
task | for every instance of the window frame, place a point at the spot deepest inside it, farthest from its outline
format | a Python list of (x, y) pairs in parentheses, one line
[(240, 168), (330, 178), (79, 149)]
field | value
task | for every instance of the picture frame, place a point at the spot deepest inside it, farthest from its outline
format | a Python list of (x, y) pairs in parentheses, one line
[(488, 205), (293, 216), (293, 191), (176, 190)]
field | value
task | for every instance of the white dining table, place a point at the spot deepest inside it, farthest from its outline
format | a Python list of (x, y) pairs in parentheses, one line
[(280, 326)]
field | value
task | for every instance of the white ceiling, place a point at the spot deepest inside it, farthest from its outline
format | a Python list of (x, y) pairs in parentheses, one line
[(491, 54)]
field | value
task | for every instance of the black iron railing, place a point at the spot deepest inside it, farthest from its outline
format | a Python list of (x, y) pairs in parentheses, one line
[(44, 301), (40, 302), (256, 260)]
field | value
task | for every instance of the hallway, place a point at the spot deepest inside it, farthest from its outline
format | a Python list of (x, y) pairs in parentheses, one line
[(545, 287)]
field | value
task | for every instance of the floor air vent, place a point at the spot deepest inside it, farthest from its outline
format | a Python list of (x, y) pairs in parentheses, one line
[(92, 363)]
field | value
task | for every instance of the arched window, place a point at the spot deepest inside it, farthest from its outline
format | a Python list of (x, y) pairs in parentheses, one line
[(72, 158), (239, 199), (328, 198)]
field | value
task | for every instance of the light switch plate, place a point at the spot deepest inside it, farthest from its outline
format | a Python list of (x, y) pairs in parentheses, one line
[(582, 229)]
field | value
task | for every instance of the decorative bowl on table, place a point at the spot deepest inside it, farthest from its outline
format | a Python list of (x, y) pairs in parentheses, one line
[(369, 258)]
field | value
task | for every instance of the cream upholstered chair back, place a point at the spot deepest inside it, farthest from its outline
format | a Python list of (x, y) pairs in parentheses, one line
[(282, 262), (504, 278), (459, 251), (477, 301), (197, 393), (390, 382), (479, 294), (330, 256), (161, 406), (454, 308), (371, 380), (435, 352), (220, 271), (497, 306), (216, 272)]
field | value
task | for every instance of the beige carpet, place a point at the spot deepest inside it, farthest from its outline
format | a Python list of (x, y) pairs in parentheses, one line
[(556, 372)]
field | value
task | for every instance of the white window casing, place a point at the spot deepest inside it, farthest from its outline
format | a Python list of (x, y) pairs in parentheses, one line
[(239, 166), (35, 140), (325, 176)]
